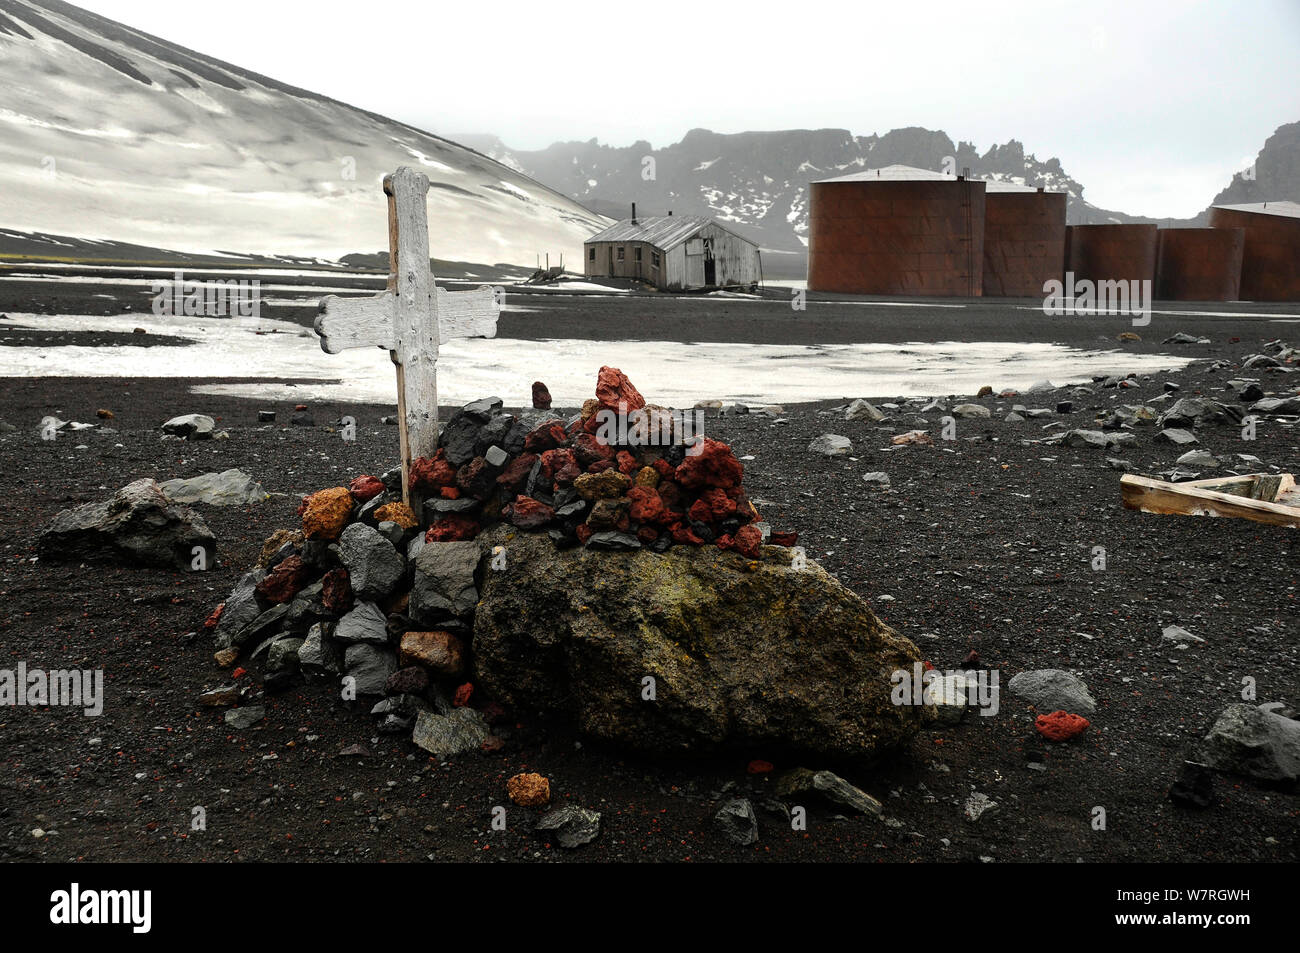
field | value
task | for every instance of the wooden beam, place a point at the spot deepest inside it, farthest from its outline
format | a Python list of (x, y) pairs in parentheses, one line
[(1182, 499)]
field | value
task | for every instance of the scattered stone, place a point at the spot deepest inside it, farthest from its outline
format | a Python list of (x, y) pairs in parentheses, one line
[(950, 693), (979, 804), (529, 790), (1176, 436), (971, 410), (1184, 338), (1255, 742), (876, 477), (1194, 787), (1197, 412), (245, 717), (737, 822), (1115, 463), (541, 396), (1276, 406), (1199, 458), (572, 825), (369, 666), (444, 736), (190, 426), (1060, 725), (830, 445), (266, 416), (221, 697), (138, 523), (861, 410), (1052, 690), (829, 786)]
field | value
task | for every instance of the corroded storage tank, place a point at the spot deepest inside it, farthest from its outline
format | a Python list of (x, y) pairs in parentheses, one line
[(1111, 252), (1199, 264), (897, 231), (1024, 239), (1270, 258)]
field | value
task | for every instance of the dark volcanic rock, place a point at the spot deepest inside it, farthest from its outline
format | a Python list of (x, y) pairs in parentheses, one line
[(138, 523), (576, 632)]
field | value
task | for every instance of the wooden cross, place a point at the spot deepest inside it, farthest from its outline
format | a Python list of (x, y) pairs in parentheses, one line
[(410, 318)]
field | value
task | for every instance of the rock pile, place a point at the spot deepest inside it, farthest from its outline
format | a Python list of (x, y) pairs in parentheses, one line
[(576, 569)]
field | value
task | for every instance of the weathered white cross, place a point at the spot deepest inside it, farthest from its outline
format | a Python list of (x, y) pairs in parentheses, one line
[(410, 318)]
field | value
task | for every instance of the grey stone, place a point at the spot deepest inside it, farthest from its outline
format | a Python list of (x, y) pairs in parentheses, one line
[(138, 524), (444, 582), (283, 654), (190, 426), (572, 825), (861, 410), (1051, 690), (1177, 436), (1256, 742), (241, 608), (373, 565), (876, 477), (444, 736), (613, 541), (971, 410), (369, 665), (495, 456), (245, 717), (392, 532), (1199, 458), (1199, 411), (228, 488), (830, 445), (365, 623), (1276, 406), (318, 653), (737, 822), (261, 627)]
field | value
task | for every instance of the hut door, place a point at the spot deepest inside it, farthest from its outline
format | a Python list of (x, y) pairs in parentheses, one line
[(611, 261), (710, 268)]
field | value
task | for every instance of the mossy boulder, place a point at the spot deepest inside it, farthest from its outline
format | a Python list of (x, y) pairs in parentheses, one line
[(743, 653)]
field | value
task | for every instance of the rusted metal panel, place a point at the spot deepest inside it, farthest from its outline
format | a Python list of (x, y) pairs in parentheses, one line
[(1111, 252), (903, 236), (1024, 241), (1199, 264), (1270, 260)]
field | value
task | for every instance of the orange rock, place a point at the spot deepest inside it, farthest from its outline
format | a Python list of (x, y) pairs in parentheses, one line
[(398, 513), (1060, 725), (275, 542), (326, 513), (529, 790), (440, 652)]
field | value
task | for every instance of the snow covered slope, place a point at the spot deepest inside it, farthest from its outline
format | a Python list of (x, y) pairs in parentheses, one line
[(110, 133)]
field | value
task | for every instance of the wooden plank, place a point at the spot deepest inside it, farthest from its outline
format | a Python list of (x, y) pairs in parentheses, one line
[(415, 325), (1156, 496), (368, 322)]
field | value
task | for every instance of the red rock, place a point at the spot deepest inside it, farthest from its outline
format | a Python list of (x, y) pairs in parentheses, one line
[(449, 493), (527, 513), (336, 590), (326, 512), (600, 466), (541, 396), (515, 475), (782, 539), (365, 488), (1060, 725), (475, 479), (299, 406), (663, 466), (431, 473), (284, 581), (725, 542), (682, 535), (545, 436), (647, 506), (588, 450), (714, 466), (440, 652), (492, 744), (615, 392), (462, 696), (559, 467), (647, 535), (452, 528), (749, 541), (627, 464), (583, 532), (758, 766), (211, 621), (670, 493)]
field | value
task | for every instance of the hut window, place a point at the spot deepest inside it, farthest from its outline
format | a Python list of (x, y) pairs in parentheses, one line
[(591, 253), (654, 259), (620, 254), (638, 254)]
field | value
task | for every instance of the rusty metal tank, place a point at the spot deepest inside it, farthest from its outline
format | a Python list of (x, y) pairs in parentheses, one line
[(1199, 264), (897, 231), (1111, 252), (1270, 258), (1024, 239)]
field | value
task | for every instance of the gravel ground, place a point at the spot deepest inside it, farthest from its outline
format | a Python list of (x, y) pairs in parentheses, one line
[(983, 543)]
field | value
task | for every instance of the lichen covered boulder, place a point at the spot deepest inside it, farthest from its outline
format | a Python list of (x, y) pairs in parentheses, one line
[(690, 650)]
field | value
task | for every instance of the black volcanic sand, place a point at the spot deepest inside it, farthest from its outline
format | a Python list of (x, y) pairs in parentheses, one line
[(982, 544)]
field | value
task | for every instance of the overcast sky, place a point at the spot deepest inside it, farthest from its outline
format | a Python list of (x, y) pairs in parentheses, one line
[(1150, 104)]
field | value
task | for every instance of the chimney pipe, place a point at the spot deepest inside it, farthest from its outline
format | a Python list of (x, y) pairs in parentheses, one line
[(670, 213), (633, 213)]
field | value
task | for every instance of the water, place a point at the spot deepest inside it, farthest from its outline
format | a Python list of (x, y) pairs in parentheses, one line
[(673, 374)]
